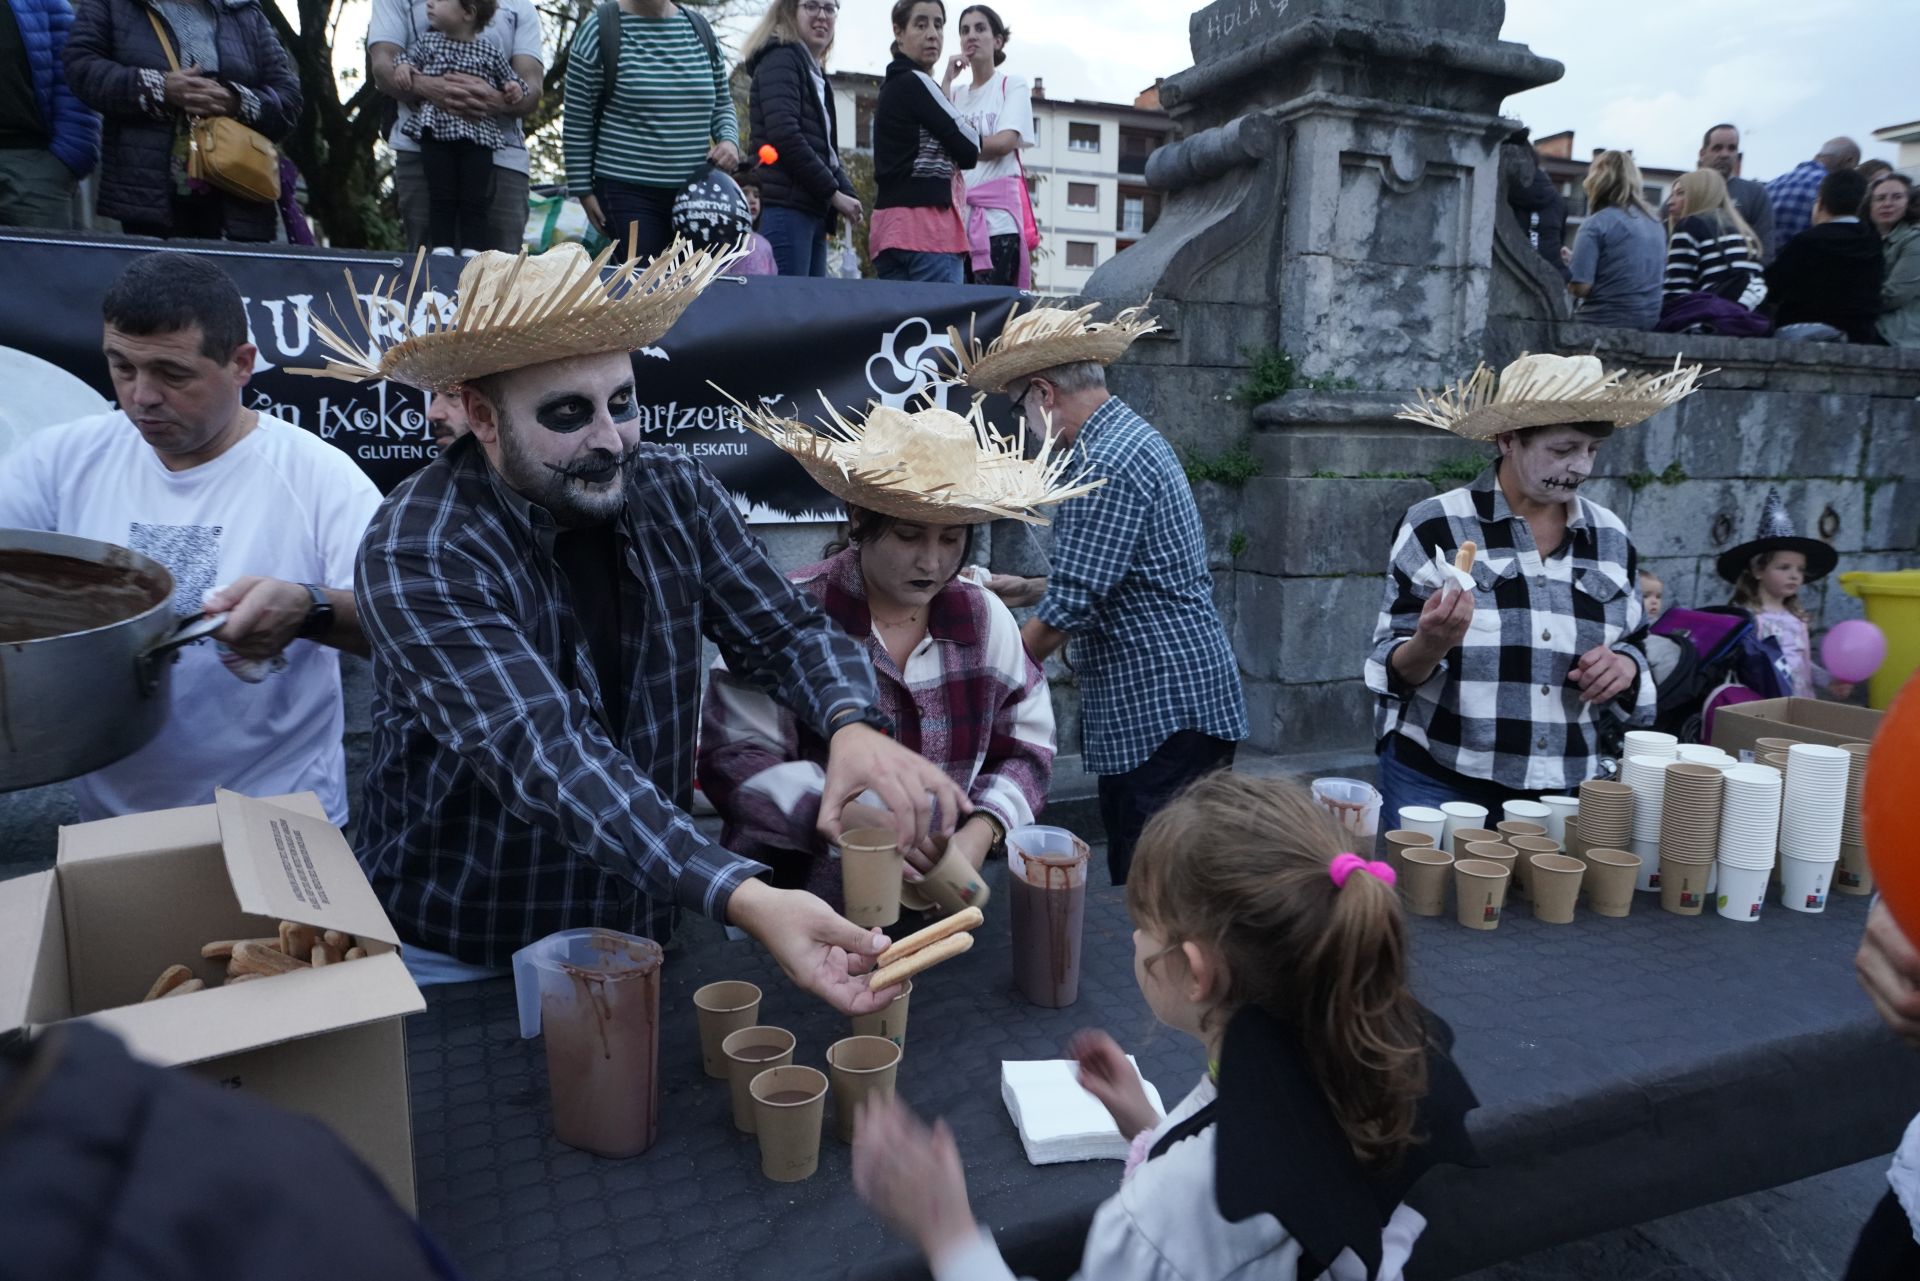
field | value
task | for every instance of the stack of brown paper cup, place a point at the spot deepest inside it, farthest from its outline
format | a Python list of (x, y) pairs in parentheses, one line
[(1479, 889), (1497, 852), (861, 1068), (1519, 827), (1606, 814), (751, 1051), (789, 1107), (1526, 847), (1423, 880), (872, 871), (1402, 839), (890, 1021), (1465, 836), (1556, 887), (1854, 875), (1689, 835), (1610, 880), (723, 1008), (1773, 744)]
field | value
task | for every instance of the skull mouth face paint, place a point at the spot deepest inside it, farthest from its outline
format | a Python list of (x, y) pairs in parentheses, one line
[(1550, 464)]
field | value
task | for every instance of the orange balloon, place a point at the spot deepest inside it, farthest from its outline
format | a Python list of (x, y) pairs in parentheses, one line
[(767, 154), (1888, 816)]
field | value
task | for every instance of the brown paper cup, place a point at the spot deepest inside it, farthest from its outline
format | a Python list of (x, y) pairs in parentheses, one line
[(1465, 836), (1855, 874), (1479, 889), (1576, 848), (861, 1068), (953, 885), (751, 1051), (1400, 840), (1526, 847), (890, 1022), (1556, 887), (723, 1008), (871, 869), (1519, 827), (1773, 744), (1683, 886), (1610, 879), (1493, 852), (789, 1106), (1423, 880)]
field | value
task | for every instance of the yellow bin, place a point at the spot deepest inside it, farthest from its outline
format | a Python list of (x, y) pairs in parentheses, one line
[(1892, 603)]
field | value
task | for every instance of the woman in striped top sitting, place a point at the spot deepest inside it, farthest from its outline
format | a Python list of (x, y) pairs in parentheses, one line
[(630, 151), (1710, 248)]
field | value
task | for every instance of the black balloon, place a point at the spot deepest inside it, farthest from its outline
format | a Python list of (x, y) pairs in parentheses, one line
[(711, 210)]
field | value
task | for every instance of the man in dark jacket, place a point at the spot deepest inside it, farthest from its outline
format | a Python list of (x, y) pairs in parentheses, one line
[(804, 191), (112, 1169), (232, 65), (48, 139), (1830, 274)]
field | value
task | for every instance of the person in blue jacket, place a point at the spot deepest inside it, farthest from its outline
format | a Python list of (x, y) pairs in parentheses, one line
[(49, 139)]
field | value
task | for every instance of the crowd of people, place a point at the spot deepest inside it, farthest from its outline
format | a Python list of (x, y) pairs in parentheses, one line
[(1827, 252)]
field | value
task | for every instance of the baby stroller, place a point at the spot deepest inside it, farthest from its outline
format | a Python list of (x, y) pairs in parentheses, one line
[(1722, 660)]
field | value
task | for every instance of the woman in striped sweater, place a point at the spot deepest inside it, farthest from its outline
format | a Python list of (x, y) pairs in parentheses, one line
[(1710, 248), (628, 154)]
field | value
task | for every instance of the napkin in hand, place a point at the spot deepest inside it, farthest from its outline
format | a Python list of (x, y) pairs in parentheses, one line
[(1057, 1120), (1449, 575)]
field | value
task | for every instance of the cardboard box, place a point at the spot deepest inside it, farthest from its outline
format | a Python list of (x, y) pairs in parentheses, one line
[(1805, 720), (130, 896)]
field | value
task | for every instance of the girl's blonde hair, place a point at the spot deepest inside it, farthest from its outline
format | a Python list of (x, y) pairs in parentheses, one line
[(1746, 589), (780, 23), (1241, 864), (1613, 181), (1704, 192)]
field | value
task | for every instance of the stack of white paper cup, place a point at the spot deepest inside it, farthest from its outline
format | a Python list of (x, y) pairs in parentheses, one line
[(1460, 814), (1559, 810), (1425, 819), (1854, 875), (1647, 742), (1812, 812), (1749, 836), (1647, 776), (1700, 754)]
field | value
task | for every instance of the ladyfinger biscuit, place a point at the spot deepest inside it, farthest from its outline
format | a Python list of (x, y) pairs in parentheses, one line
[(338, 940), (223, 948), (926, 958), (969, 919), (355, 954), (297, 939), (256, 958), (191, 985), (170, 978), (1463, 559)]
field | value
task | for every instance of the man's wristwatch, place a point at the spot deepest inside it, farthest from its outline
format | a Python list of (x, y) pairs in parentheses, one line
[(319, 614)]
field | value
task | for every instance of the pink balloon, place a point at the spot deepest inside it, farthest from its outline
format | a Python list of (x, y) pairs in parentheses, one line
[(1853, 650)]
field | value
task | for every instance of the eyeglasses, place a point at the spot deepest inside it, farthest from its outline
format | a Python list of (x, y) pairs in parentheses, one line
[(815, 7), (1020, 401)]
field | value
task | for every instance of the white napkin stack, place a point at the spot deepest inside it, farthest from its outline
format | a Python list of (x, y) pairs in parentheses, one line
[(1057, 1120)]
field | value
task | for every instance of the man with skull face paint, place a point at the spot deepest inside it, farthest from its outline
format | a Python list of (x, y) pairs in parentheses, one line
[(1494, 693), (537, 599)]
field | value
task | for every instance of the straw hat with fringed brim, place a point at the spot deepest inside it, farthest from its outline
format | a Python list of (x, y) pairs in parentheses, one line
[(515, 310), (1045, 338), (1549, 391), (934, 467)]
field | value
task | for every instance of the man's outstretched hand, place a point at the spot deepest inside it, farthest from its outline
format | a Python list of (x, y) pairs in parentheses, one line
[(821, 951), (860, 758)]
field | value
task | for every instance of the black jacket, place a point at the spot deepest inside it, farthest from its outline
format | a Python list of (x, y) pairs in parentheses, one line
[(112, 43), (113, 1170), (1829, 274), (784, 110), (917, 144)]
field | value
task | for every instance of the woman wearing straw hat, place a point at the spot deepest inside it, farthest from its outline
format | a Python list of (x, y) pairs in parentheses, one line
[(536, 600), (954, 677), (1160, 696), (1493, 669)]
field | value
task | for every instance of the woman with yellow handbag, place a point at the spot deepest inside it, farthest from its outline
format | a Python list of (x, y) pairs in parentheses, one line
[(195, 94)]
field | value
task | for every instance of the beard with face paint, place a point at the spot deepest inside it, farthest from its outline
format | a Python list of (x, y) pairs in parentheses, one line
[(566, 434), (1549, 464)]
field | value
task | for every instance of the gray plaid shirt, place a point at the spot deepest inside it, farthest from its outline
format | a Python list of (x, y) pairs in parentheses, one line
[(1500, 707), (499, 806)]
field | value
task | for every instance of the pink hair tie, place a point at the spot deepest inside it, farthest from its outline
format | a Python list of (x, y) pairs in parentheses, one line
[(1345, 865)]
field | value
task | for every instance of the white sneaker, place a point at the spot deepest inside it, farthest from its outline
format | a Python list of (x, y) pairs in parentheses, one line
[(442, 251), (468, 253)]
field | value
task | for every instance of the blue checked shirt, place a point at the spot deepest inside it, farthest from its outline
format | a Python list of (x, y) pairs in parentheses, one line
[(1794, 195), (499, 806), (1500, 707), (1130, 584)]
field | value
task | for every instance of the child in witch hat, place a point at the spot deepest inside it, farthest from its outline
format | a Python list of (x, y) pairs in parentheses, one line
[(1767, 574)]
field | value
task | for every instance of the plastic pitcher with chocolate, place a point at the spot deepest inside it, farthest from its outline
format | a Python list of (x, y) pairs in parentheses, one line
[(1047, 885), (600, 1012)]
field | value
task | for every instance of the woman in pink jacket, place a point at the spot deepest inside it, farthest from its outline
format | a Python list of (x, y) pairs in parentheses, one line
[(1000, 108)]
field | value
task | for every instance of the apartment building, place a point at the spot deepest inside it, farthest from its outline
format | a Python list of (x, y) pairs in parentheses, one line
[(1086, 170)]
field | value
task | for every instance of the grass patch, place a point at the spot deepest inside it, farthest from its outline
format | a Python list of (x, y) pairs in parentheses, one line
[(1232, 467), (1274, 372), (1236, 544), (1454, 471)]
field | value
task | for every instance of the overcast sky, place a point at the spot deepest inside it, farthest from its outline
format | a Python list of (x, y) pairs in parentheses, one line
[(1651, 76)]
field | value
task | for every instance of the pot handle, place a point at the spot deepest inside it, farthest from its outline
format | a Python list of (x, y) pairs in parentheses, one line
[(163, 650)]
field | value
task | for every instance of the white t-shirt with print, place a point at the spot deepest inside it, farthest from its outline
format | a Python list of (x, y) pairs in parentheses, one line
[(281, 503), (515, 28), (1003, 102)]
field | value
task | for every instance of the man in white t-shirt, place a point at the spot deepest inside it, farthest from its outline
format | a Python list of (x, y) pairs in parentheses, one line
[(393, 28), (226, 498), (1000, 109)]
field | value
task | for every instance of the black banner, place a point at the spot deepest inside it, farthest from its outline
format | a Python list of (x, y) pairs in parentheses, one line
[(778, 342)]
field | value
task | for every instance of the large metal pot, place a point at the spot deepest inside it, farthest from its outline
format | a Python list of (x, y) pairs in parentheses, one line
[(86, 646)]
